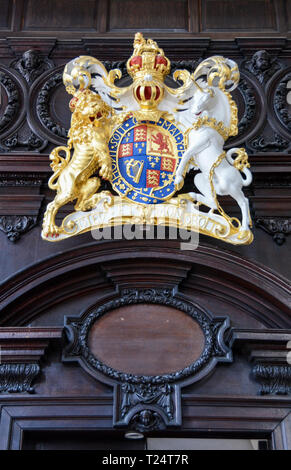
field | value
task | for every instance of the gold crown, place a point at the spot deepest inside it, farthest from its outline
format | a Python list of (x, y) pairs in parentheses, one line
[(147, 58)]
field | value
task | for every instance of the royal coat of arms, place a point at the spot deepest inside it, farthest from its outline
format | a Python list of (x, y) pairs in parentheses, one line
[(143, 138)]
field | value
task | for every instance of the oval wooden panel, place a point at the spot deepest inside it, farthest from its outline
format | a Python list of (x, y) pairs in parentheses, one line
[(146, 339)]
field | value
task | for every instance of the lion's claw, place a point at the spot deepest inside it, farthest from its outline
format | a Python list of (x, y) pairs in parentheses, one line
[(105, 171), (51, 231)]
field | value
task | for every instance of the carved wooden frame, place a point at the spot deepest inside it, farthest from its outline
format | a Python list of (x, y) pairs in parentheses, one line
[(152, 402)]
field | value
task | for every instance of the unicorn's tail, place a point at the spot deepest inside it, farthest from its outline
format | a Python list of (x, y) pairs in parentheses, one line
[(240, 163)]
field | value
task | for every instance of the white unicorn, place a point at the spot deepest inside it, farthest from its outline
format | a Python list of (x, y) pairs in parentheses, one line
[(215, 119)]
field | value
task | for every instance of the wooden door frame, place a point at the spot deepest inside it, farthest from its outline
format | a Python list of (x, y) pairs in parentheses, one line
[(242, 417)]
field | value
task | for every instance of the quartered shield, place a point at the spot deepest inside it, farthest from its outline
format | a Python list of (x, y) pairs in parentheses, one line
[(145, 156)]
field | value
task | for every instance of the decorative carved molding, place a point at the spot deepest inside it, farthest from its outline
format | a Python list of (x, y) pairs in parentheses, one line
[(146, 407), (31, 143), (121, 65), (31, 65), (263, 415), (13, 100), (262, 66), (14, 226), (264, 144), (159, 394), (147, 420), (169, 277), (264, 293), (275, 180), (21, 350), (189, 65), (146, 394), (268, 351), (214, 346), (43, 105), (279, 228), (18, 378), (21, 179), (26, 344), (250, 106), (274, 379), (280, 102), (265, 345)]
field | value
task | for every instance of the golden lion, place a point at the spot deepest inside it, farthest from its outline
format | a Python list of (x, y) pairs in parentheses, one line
[(89, 135)]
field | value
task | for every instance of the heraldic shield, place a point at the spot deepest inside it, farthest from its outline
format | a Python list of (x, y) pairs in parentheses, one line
[(144, 138), (145, 157)]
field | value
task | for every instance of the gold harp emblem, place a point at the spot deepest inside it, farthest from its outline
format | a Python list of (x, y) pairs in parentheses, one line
[(136, 167)]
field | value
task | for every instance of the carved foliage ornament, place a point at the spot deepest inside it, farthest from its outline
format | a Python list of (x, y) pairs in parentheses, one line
[(281, 104), (276, 144), (274, 379), (13, 100), (250, 106), (32, 142), (143, 138), (18, 378), (43, 106), (159, 395), (16, 225), (278, 227)]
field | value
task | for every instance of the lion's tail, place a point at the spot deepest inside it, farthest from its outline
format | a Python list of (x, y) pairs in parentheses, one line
[(240, 163), (58, 164)]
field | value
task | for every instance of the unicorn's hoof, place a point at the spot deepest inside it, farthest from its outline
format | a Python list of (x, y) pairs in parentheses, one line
[(244, 234)]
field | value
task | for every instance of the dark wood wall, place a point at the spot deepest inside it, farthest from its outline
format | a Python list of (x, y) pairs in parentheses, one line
[(42, 283), (185, 17)]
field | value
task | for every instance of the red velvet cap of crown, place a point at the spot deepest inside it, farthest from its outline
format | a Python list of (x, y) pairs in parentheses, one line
[(136, 60), (160, 60)]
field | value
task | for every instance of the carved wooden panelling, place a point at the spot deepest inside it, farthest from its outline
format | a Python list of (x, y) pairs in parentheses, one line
[(59, 15), (143, 334), (6, 14), (211, 18), (288, 14), (148, 15), (239, 15)]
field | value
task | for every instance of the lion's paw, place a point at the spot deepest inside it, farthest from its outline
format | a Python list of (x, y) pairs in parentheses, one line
[(105, 171), (51, 230)]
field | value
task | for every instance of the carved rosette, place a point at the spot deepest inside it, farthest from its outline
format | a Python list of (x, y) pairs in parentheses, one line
[(147, 402)]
